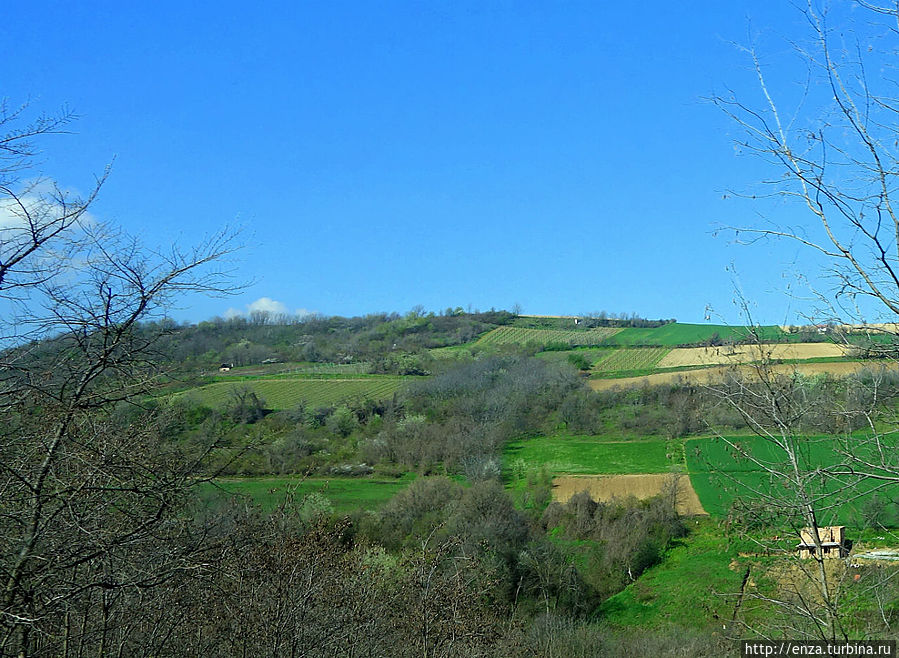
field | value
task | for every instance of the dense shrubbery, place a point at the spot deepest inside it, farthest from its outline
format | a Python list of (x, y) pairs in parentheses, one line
[(381, 338), (625, 536)]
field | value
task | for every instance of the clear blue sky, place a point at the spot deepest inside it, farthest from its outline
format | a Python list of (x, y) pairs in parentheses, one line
[(382, 155)]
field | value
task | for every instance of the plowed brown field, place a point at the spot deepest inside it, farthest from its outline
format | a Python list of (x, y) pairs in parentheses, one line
[(713, 375), (641, 486), (734, 354)]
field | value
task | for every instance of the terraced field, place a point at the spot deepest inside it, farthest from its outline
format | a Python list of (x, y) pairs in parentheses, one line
[(630, 359), (287, 392), (523, 336)]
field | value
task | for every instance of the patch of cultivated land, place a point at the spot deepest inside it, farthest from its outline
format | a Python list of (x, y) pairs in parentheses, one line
[(524, 336), (606, 469), (717, 374), (735, 354), (719, 478), (639, 485), (643, 358), (678, 333), (287, 392)]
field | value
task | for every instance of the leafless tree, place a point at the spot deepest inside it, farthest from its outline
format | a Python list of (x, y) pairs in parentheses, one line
[(833, 149), (90, 503)]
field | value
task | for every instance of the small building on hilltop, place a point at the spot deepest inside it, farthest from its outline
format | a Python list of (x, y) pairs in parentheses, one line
[(832, 538)]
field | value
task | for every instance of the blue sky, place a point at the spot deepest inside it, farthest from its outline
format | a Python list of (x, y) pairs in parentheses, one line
[(382, 155)]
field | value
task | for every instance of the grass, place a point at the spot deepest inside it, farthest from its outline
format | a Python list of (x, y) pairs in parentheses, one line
[(345, 494), (288, 392), (685, 589), (677, 333), (588, 455), (719, 478)]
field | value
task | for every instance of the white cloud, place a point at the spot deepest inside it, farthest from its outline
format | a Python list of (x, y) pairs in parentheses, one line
[(266, 305), (269, 305), (39, 199)]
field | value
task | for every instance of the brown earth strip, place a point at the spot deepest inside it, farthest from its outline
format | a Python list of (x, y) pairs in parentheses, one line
[(641, 486), (735, 354), (716, 374)]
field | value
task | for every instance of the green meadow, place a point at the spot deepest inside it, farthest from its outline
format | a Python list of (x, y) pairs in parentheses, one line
[(344, 494), (573, 454), (287, 392), (720, 476), (677, 333)]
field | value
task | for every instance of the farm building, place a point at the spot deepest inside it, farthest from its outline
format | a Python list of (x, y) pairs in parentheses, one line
[(833, 542)]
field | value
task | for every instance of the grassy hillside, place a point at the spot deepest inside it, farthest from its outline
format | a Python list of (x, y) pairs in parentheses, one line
[(686, 589), (287, 392)]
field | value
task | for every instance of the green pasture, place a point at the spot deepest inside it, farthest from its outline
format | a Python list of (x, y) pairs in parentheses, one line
[(287, 392), (693, 576), (677, 333), (573, 454), (720, 477), (344, 494)]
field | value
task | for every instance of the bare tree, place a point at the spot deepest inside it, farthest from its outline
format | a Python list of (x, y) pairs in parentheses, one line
[(834, 151), (90, 504)]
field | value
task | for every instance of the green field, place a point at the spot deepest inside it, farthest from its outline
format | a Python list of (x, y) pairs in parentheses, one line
[(719, 478), (344, 494), (644, 358), (286, 392), (524, 336), (572, 454), (677, 333)]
